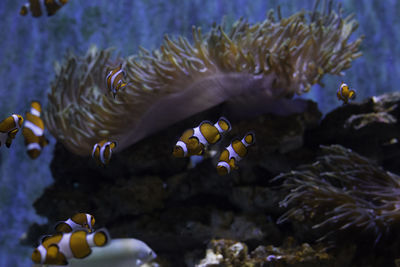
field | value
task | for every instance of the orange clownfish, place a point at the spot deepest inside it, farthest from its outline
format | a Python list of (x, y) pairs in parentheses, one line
[(102, 152), (9, 127), (80, 221), (114, 80), (344, 94), (194, 141), (57, 249), (38, 7), (33, 131), (234, 153)]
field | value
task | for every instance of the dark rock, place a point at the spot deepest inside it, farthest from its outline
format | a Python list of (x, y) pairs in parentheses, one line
[(370, 128), (177, 207), (223, 252), (147, 194)]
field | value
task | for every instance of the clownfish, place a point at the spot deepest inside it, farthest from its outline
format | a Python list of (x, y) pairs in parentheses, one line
[(194, 141), (58, 248), (37, 7), (33, 131), (234, 153), (344, 94), (102, 152), (80, 221), (114, 80), (9, 127)]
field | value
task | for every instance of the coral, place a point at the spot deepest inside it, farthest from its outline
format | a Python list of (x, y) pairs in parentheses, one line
[(343, 190), (262, 63), (226, 253), (291, 254), (370, 127), (231, 253), (382, 107), (148, 194)]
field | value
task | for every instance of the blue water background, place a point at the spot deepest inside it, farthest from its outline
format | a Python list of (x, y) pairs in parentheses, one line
[(29, 47)]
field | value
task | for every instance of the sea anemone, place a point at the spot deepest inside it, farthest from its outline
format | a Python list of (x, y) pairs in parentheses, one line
[(253, 66), (342, 190)]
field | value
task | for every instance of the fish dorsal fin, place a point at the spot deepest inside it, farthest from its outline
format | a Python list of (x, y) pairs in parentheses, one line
[(62, 227), (43, 238), (113, 144)]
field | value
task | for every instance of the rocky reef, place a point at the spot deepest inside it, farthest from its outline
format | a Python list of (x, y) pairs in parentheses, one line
[(232, 253), (191, 216)]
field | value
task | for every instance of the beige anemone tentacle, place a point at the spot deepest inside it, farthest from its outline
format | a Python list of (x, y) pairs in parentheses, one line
[(266, 61)]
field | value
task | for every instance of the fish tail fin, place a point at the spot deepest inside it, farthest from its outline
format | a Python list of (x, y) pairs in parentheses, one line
[(224, 124), (101, 237), (249, 138), (352, 94), (8, 142), (113, 144), (24, 10)]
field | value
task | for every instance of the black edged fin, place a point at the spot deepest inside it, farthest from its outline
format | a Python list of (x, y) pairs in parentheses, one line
[(43, 238), (194, 137), (205, 121), (62, 227), (106, 234), (227, 122), (13, 132), (253, 137), (218, 139), (201, 152)]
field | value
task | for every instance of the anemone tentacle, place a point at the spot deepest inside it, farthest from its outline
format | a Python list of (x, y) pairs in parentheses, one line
[(266, 61)]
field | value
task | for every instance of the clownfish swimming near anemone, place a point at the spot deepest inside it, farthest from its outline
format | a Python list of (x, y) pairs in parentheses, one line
[(80, 221), (234, 153), (114, 80), (344, 93), (33, 131), (38, 7), (102, 152), (194, 141), (9, 127), (57, 249)]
